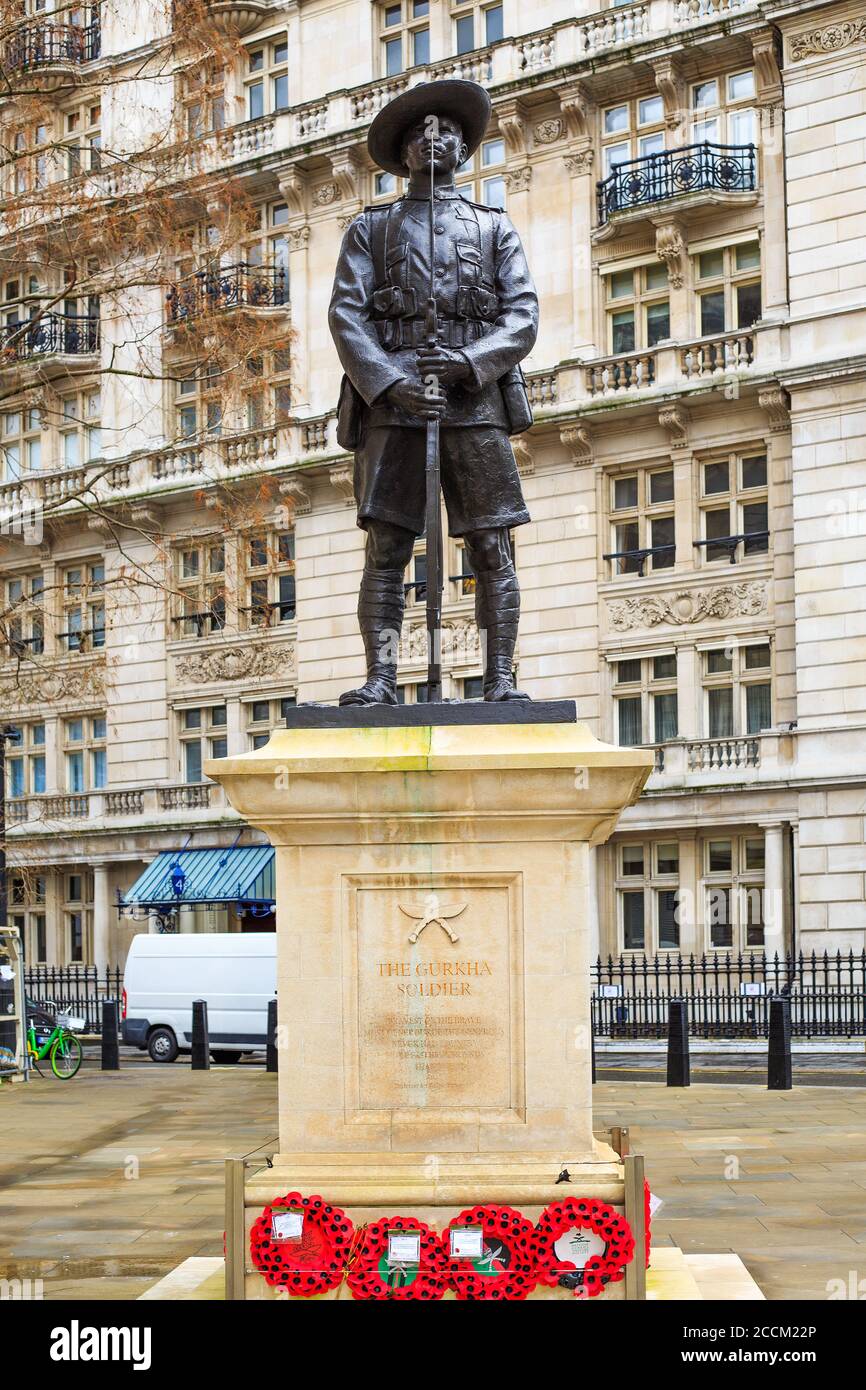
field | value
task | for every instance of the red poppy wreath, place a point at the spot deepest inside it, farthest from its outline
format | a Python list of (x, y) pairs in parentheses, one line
[(583, 1244), (310, 1263), (499, 1265), (376, 1272)]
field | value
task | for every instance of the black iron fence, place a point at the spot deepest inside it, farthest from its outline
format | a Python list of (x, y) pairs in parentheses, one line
[(729, 995), (68, 334), (691, 169), (79, 989), (240, 286), (47, 44)]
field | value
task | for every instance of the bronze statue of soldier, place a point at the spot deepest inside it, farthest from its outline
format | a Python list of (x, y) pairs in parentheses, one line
[(469, 257)]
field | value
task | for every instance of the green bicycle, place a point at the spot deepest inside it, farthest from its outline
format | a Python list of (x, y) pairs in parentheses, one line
[(60, 1046)]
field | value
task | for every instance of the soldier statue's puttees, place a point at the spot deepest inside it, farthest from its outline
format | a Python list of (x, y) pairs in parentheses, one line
[(464, 260)]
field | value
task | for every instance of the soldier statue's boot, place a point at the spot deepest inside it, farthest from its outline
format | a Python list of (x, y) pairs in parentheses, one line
[(497, 613), (380, 618)]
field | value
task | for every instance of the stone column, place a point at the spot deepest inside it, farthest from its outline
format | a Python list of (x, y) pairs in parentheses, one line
[(770, 111), (689, 915), (101, 917), (774, 888), (594, 925)]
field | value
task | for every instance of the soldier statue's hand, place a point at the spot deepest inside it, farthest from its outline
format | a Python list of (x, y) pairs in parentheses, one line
[(449, 367), (415, 398)]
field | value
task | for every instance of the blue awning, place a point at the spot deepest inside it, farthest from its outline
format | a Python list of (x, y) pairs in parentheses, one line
[(241, 874)]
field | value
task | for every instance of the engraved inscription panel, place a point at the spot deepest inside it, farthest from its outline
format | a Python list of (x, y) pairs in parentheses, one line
[(435, 996)]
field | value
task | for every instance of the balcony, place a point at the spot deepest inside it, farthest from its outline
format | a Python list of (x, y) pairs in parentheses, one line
[(51, 340), (611, 376), (216, 289), (26, 813), (704, 763), (232, 19), (50, 54), (713, 170), (708, 358)]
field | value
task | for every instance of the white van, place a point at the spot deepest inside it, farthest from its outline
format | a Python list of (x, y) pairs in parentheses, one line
[(235, 972)]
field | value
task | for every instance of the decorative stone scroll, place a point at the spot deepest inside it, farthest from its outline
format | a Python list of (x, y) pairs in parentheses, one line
[(236, 663), (827, 40), (744, 600)]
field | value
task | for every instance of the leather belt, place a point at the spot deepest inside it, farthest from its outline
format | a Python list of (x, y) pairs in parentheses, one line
[(410, 333)]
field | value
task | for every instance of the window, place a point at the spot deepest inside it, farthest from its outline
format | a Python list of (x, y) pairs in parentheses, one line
[(722, 110), (733, 892), (728, 284), (737, 690), (642, 526), (465, 579), (268, 387), (647, 890), (482, 178), (202, 736), (413, 693), (84, 753), (473, 687), (200, 582), (475, 26), (202, 102), (416, 575), (267, 78), (79, 427), (386, 185), (25, 761), (265, 251), (404, 35), (265, 715), (24, 619), (638, 308), (270, 579), (645, 700), (632, 130), (198, 402), (78, 915), (733, 507), (83, 602), (21, 443), (82, 139)]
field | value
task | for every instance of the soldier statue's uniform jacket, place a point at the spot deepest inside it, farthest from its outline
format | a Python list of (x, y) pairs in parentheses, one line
[(487, 310)]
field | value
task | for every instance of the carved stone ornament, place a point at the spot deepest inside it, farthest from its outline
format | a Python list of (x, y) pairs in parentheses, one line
[(511, 119), (578, 441), (236, 663), (827, 40), (518, 180), (675, 419), (548, 132), (744, 600), (580, 162), (578, 109), (459, 639), (342, 480), (299, 237), (671, 248), (54, 686), (297, 491), (776, 402), (326, 193)]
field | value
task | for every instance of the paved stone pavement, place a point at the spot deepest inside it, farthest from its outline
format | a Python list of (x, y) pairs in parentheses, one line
[(110, 1180)]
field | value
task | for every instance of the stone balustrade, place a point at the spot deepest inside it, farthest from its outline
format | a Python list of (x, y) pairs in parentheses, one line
[(625, 24), (611, 376), (715, 356), (687, 762), (121, 803)]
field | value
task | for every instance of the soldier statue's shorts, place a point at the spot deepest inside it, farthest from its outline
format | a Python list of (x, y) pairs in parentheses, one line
[(479, 478)]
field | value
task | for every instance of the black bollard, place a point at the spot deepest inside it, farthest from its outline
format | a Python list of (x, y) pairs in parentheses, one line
[(200, 1042), (271, 1059), (779, 1074), (110, 1043), (678, 1043)]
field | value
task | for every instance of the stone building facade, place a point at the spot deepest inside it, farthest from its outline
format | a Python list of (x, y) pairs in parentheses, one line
[(687, 177)]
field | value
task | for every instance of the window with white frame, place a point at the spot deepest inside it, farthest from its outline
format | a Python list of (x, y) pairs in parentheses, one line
[(85, 753), (200, 582), (464, 578), (78, 914), (734, 507), (647, 891), (262, 716), (268, 387), (632, 130), (21, 442), (386, 186), (83, 607), (482, 178), (25, 760), (24, 618), (472, 688), (270, 578), (79, 428), (475, 26), (19, 295), (638, 308), (642, 521), (27, 890), (266, 80), (198, 402), (413, 693), (737, 687), (31, 160), (728, 283), (733, 892), (265, 251), (415, 584), (202, 100), (202, 735), (645, 699), (404, 35), (82, 138), (722, 109)]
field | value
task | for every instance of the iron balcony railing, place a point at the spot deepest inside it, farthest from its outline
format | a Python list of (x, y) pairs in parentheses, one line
[(240, 286), (46, 44), (51, 334), (691, 169)]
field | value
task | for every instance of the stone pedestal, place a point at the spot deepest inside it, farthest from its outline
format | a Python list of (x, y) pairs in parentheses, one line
[(433, 913)]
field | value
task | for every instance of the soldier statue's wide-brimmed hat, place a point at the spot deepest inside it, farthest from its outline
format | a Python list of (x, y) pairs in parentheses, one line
[(466, 102)]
